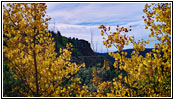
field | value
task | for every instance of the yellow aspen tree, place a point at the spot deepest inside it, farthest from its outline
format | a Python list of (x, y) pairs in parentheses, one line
[(30, 50), (150, 75)]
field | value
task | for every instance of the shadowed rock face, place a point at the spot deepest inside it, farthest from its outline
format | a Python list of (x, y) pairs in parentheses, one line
[(85, 48)]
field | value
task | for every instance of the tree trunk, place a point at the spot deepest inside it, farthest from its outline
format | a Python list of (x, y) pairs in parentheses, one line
[(36, 77)]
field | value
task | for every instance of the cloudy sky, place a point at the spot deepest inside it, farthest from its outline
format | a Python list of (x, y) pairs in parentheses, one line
[(80, 20)]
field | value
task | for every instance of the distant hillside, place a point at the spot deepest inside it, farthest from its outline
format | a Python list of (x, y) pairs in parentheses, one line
[(81, 47), (129, 51)]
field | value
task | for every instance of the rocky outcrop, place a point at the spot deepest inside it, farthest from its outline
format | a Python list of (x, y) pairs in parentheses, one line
[(83, 47)]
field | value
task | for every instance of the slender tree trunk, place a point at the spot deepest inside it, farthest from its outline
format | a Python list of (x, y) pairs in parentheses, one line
[(36, 80), (36, 73)]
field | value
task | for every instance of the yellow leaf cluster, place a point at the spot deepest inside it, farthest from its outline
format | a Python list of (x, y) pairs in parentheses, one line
[(150, 75), (30, 48)]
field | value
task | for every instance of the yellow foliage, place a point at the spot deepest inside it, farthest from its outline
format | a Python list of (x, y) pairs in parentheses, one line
[(30, 48), (150, 75)]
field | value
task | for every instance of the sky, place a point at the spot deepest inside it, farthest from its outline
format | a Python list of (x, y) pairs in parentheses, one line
[(80, 20)]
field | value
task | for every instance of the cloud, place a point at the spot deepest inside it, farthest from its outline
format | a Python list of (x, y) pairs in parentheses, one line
[(77, 13)]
